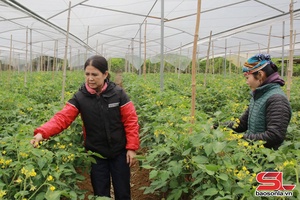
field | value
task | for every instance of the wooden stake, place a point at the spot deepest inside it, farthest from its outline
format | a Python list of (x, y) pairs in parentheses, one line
[(26, 58), (238, 61), (10, 54), (213, 57), (269, 40), (65, 58), (290, 66), (207, 59), (144, 67), (193, 107)]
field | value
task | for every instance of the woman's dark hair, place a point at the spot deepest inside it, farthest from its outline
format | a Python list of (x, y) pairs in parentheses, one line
[(98, 62), (269, 69)]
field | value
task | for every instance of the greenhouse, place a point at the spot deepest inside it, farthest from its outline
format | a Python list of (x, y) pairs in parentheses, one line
[(145, 29), (183, 65)]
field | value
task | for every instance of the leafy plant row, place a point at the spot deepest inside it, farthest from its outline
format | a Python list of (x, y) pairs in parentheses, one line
[(186, 161), (193, 161)]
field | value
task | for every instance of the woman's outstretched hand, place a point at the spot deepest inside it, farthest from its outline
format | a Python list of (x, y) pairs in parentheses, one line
[(36, 140)]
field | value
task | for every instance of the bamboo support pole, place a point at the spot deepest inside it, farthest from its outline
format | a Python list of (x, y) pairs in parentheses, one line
[(230, 62), (269, 40), (144, 66), (294, 49), (70, 60), (225, 58), (282, 49), (65, 57), (238, 60), (30, 44), (41, 59), (162, 35), (26, 58), (207, 59), (87, 42), (179, 70), (290, 66), (213, 57), (193, 107), (10, 54)]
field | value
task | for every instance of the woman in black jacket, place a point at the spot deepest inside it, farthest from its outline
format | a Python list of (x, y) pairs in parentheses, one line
[(110, 128)]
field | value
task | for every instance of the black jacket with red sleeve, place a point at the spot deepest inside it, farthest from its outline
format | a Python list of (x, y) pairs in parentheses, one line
[(110, 122)]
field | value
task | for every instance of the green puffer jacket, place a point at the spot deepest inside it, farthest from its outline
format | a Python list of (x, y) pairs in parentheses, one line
[(267, 116)]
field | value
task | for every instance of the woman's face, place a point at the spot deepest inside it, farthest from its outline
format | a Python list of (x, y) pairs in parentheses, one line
[(94, 77), (252, 82)]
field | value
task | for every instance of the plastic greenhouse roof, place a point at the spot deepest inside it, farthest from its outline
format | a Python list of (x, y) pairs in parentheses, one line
[(118, 28)]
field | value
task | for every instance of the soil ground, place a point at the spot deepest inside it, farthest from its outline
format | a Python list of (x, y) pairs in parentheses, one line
[(139, 176)]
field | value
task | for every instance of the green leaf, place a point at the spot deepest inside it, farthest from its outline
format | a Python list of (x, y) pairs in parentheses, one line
[(153, 174), (208, 149), (176, 169), (164, 175), (223, 176), (187, 152), (40, 196), (210, 192), (212, 167), (53, 195), (147, 167), (200, 159), (219, 146)]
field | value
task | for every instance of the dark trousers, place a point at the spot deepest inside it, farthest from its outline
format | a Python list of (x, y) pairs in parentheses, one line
[(119, 171)]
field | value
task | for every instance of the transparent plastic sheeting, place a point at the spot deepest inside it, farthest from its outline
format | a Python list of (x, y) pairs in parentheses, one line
[(114, 28), (134, 60), (181, 62), (178, 61)]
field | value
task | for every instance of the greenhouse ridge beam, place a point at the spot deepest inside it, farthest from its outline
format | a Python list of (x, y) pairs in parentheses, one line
[(120, 11)]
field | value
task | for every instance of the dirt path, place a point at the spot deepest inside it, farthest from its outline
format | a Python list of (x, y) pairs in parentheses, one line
[(139, 178)]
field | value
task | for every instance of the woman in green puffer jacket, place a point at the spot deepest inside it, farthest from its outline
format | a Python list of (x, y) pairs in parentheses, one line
[(269, 112)]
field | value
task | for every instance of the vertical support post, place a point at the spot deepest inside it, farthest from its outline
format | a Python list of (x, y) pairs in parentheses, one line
[(193, 106), (65, 57), (162, 28)]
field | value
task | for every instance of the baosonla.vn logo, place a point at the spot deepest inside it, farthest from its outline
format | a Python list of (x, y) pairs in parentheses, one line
[(271, 185)]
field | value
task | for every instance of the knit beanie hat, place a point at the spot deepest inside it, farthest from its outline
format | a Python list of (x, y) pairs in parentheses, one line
[(256, 63), (98, 62)]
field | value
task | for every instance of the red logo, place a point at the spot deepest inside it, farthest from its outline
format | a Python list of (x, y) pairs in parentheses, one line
[(271, 181)]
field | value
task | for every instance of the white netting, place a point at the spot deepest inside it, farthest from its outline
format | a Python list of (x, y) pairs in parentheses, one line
[(77, 61), (178, 61), (136, 61)]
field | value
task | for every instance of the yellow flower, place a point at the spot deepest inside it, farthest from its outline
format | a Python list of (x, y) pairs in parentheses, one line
[(286, 163), (32, 188), (2, 193), (32, 173), (23, 155), (3, 152), (18, 180), (52, 188), (7, 162), (50, 178), (23, 170)]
